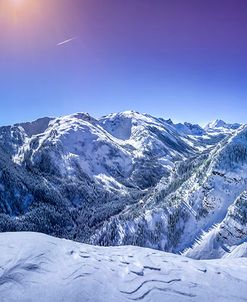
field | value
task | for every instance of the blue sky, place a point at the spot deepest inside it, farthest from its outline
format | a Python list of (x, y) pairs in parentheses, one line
[(182, 61)]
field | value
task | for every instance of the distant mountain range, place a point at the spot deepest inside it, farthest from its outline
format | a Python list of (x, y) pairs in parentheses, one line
[(127, 179)]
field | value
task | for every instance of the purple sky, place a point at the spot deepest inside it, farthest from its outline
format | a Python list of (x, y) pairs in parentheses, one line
[(184, 59)]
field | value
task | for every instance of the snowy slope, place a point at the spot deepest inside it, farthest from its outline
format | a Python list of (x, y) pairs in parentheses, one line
[(40, 268), (12, 138), (180, 208), (78, 140), (227, 236)]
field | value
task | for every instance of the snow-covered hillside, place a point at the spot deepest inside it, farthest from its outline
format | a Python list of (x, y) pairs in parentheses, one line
[(126, 178), (40, 268), (225, 237), (182, 207)]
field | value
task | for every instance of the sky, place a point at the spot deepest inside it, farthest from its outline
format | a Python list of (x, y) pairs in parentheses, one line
[(184, 60)]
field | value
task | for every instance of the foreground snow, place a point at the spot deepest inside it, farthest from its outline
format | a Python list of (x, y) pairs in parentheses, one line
[(37, 267)]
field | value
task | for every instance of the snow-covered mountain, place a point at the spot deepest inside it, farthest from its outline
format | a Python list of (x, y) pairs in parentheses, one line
[(226, 236), (219, 125), (198, 195), (127, 178), (40, 268)]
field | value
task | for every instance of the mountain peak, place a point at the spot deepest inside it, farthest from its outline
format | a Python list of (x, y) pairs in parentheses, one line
[(218, 123)]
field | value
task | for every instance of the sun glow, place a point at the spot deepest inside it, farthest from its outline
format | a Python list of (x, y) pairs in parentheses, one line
[(19, 11), (17, 2), (31, 25), (23, 21)]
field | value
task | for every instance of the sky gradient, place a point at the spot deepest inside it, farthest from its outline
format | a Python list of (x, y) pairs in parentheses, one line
[(185, 60)]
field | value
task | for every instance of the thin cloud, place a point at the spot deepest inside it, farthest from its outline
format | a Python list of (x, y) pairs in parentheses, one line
[(66, 41)]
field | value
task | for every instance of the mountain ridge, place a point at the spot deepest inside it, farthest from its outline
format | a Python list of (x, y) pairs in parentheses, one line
[(124, 178)]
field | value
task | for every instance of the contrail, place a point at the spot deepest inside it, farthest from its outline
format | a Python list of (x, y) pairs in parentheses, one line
[(66, 41)]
